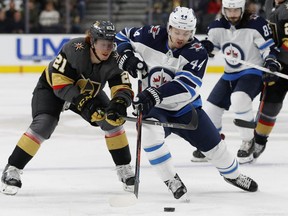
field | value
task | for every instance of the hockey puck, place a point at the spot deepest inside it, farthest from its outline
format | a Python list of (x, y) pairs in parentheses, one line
[(169, 209)]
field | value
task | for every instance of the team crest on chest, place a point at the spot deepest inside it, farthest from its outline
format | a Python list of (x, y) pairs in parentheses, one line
[(233, 51), (78, 46), (159, 76)]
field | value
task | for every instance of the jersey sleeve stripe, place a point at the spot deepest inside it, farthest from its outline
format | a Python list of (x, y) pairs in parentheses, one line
[(268, 43), (190, 76)]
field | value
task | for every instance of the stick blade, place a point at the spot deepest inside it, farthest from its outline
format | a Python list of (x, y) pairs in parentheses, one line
[(123, 200), (245, 124)]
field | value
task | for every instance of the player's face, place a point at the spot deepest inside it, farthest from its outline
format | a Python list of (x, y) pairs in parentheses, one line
[(103, 48), (233, 15), (178, 37), (277, 2)]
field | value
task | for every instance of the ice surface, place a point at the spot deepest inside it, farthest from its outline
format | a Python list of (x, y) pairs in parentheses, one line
[(73, 173)]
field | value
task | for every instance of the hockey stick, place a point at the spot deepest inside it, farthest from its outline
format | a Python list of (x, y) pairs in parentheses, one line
[(266, 70), (139, 133), (252, 124), (245, 124), (131, 199), (191, 126)]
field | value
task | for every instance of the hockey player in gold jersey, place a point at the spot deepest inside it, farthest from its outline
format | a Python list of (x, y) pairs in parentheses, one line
[(75, 80)]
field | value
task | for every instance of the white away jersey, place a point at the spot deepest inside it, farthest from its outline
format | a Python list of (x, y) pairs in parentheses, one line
[(250, 42), (177, 73)]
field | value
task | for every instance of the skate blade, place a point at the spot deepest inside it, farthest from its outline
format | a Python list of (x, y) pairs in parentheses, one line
[(246, 160), (185, 198), (201, 160), (8, 189), (128, 188)]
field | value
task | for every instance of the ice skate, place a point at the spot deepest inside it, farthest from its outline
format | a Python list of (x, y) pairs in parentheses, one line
[(177, 187), (127, 176), (243, 182), (198, 156), (245, 153), (258, 150), (11, 181)]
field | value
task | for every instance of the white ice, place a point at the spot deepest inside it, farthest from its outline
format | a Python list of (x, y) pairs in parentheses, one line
[(73, 173)]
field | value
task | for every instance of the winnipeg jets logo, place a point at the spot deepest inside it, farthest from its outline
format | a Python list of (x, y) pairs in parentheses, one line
[(158, 76), (154, 31), (159, 79), (233, 52), (196, 46), (78, 46)]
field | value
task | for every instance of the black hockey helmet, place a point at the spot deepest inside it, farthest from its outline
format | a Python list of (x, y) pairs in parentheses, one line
[(102, 30)]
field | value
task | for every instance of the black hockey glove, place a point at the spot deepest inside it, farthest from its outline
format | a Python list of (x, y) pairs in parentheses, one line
[(81, 101), (209, 46), (89, 108), (115, 111), (147, 99), (273, 65), (129, 62)]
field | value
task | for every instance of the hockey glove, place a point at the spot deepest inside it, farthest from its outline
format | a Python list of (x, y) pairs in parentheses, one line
[(147, 99), (209, 46), (129, 62), (273, 65), (115, 111), (89, 108)]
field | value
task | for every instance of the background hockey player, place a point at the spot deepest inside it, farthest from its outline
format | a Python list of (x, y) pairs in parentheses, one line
[(240, 35), (276, 88), (173, 64), (77, 76)]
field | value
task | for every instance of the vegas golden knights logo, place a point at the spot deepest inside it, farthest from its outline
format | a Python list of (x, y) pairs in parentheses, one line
[(88, 86)]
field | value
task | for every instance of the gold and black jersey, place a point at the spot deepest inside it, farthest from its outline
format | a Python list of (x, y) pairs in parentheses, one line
[(71, 73), (278, 20)]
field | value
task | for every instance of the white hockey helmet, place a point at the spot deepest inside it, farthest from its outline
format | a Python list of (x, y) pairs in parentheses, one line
[(183, 18), (233, 4)]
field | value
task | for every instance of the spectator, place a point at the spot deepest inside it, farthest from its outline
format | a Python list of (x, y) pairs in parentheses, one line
[(255, 8), (81, 6), (2, 5), (49, 19), (3, 21), (157, 13), (75, 19), (161, 11), (10, 11), (17, 25), (200, 7), (212, 10)]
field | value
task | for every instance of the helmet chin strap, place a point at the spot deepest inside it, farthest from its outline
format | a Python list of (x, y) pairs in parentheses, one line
[(169, 35), (95, 54)]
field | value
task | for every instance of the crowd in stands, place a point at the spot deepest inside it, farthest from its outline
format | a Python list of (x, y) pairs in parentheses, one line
[(48, 16), (45, 16), (205, 10)]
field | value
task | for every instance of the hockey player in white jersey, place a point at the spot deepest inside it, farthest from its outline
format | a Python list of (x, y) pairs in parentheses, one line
[(239, 35), (173, 62)]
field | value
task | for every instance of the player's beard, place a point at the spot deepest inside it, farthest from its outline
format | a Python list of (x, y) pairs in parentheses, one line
[(234, 20)]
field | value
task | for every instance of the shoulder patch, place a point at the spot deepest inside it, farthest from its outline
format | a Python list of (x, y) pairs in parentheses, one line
[(78, 46), (196, 46), (154, 30)]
